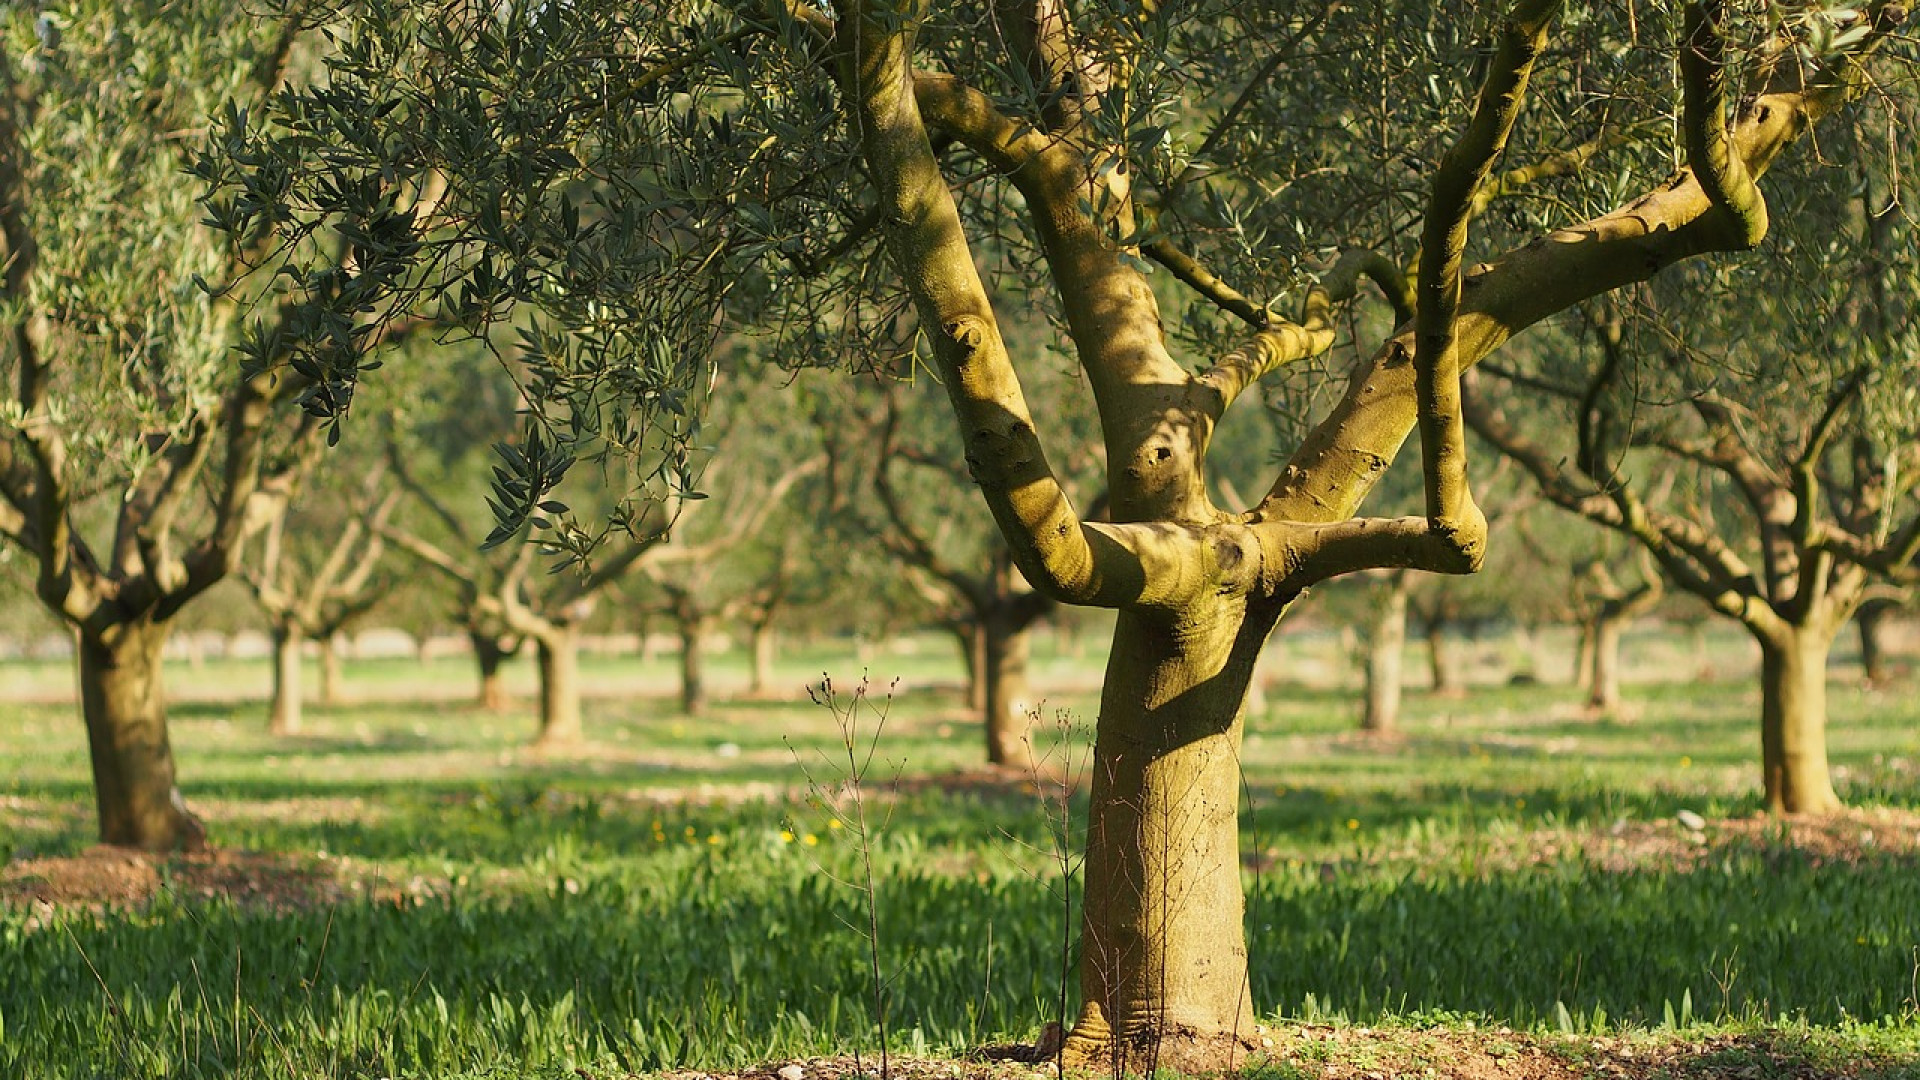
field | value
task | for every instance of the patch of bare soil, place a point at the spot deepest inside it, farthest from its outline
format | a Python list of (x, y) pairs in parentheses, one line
[(105, 877), (1683, 842), (1680, 843), (1324, 1052)]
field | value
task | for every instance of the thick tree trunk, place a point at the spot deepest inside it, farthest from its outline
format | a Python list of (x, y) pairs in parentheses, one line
[(558, 653), (1386, 647), (1603, 692), (1163, 968), (1793, 721), (1443, 660), (124, 706), (1005, 664), (1871, 621), (489, 655), (693, 687), (330, 675), (764, 649), (283, 715), (1583, 656)]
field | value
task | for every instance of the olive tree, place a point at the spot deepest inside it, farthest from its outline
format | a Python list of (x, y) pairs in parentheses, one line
[(132, 455), (649, 176), (436, 442), (317, 570)]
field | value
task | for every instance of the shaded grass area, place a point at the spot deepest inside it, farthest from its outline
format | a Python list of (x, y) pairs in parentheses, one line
[(674, 895)]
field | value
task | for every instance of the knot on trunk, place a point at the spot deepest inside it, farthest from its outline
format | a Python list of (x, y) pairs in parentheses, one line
[(966, 332)]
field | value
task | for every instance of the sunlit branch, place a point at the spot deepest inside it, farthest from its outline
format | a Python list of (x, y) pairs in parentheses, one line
[(1050, 544), (1463, 171), (1721, 173)]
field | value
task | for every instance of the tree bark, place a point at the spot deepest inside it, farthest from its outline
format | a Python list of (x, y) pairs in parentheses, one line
[(693, 688), (1163, 970), (1386, 647), (1793, 720), (558, 652), (330, 674), (488, 654), (1006, 649), (1603, 692), (764, 650), (1871, 621), (283, 715), (124, 705)]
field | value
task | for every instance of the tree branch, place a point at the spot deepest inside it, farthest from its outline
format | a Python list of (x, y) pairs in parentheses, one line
[(1451, 510), (1721, 173), (1201, 280), (1056, 551), (1339, 462)]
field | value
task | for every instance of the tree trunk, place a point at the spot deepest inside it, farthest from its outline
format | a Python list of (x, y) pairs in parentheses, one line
[(1444, 661), (1005, 664), (1603, 692), (1871, 621), (330, 670), (1793, 721), (558, 653), (1386, 646), (1163, 967), (1583, 656), (124, 706), (693, 688), (488, 654), (283, 715), (972, 638), (764, 642)]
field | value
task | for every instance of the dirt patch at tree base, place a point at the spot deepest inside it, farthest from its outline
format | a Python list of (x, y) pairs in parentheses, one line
[(104, 877)]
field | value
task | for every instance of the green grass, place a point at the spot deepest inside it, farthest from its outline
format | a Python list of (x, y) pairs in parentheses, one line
[(656, 901)]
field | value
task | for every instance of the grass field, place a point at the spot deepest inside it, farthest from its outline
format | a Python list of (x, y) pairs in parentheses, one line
[(405, 891)]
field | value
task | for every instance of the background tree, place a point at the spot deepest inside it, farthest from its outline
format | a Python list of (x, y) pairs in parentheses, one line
[(315, 574), (962, 565), (761, 156), (1611, 604), (691, 573), (506, 598), (117, 355), (1870, 621), (1792, 437), (1383, 639)]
